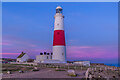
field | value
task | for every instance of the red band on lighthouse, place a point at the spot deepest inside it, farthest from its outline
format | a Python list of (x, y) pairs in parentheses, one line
[(59, 38)]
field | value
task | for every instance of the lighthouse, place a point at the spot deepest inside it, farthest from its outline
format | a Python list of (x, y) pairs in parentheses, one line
[(59, 46)]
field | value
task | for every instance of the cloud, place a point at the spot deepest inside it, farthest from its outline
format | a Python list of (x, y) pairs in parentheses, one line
[(9, 53), (92, 52), (33, 45), (73, 52), (5, 43), (16, 42), (80, 47)]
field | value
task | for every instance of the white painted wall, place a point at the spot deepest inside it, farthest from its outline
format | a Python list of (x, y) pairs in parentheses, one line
[(59, 53), (23, 59), (59, 23), (40, 58)]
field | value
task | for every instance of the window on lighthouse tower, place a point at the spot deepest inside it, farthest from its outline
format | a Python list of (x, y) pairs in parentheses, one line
[(58, 33)]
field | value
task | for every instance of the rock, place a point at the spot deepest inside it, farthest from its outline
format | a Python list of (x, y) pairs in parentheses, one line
[(94, 71), (35, 68), (114, 77), (90, 73), (119, 75), (90, 76), (8, 72), (56, 68), (21, 71), (99, 76), (95, 68), (71, 72), (87, 73)]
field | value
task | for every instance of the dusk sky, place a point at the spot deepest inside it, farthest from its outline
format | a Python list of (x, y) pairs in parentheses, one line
[(91, 30)]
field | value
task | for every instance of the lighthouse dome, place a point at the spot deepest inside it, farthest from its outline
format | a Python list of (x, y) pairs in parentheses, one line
[(58, 7)]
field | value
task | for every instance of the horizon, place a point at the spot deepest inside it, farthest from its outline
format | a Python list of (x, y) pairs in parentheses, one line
[(91, 30)]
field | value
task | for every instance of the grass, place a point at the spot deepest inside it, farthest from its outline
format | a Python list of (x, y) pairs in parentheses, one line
[(15, 67), (72, 75), (21, 64), (35, 70), (11, 69), (60, 70)]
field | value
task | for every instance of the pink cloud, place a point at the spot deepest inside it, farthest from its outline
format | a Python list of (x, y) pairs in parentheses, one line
[(32, 45), (9, 53), (80, 47), (86, 47), (92, 52), (5, 43), (17, 42)]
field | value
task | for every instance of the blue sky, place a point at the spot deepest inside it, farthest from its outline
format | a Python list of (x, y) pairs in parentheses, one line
[(91, 29)]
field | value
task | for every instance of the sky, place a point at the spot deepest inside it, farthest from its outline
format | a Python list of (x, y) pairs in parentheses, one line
[(91, 29)]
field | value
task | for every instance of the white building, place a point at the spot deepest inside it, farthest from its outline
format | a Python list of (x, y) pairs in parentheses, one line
[(22, 57), (83, 63), (43, 57)]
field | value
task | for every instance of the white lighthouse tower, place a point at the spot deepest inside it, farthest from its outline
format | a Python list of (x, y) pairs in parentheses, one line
[(59, 49)]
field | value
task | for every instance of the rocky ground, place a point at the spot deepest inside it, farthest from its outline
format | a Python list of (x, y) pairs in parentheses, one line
[(56, 71)]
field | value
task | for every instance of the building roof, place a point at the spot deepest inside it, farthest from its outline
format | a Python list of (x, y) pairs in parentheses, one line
[(21, 55)]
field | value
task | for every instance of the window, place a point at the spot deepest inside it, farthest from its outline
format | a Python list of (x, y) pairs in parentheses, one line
[(47, 57), (58, 33), (41, 53)]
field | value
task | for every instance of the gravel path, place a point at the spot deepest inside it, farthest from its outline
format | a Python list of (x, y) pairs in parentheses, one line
[(44, 73)]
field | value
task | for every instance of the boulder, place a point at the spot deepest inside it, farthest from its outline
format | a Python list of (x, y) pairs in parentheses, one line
[(56, 68), (8, 72), (35, 68), (20, 71), (71, 73)]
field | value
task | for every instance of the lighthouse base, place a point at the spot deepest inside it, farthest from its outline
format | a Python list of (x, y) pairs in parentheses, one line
[(59, 53)]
